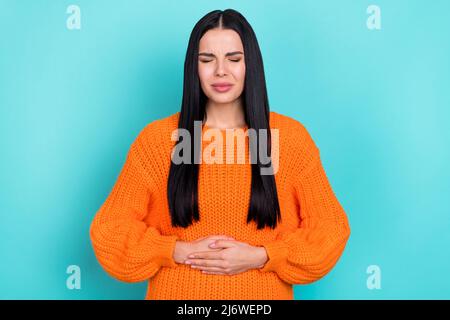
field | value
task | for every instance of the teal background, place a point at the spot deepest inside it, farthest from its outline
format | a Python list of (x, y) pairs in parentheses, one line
[(377, 103)]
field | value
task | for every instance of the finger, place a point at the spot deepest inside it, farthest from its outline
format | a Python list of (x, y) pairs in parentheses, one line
[(204, 263), (222, 244), (213, 255), (210, 269)]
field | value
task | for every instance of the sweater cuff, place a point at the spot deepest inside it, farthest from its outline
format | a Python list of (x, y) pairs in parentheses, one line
[(165, 246), (277, 252)]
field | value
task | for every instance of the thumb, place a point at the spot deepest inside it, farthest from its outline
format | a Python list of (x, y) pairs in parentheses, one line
[(222, 244)]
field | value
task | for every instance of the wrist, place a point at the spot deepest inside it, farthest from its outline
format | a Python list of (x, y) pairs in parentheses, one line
[(181, 251), (261, 257)]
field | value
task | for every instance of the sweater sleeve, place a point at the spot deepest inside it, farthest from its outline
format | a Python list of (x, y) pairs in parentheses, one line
[(125, 246), (309, 252)]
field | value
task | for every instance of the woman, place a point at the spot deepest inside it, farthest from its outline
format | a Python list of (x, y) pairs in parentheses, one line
[(199, 228)]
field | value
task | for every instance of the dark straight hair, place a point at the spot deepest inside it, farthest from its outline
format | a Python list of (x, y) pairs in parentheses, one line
[(182, 185)]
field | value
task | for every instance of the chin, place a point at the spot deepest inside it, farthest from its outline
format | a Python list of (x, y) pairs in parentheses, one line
[(223, 97)]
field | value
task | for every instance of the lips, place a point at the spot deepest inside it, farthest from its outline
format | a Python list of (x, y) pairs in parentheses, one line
[(222, 86)]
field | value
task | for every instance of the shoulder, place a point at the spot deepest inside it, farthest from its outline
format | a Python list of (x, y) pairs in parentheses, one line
[(296, 142), (287, 123), (155, 136), (164, 124), (160, 129), (292, 131)]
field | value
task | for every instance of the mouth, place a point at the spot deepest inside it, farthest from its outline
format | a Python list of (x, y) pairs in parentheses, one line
[(222, 87)]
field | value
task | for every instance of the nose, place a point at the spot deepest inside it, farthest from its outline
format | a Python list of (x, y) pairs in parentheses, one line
[(220, 70)]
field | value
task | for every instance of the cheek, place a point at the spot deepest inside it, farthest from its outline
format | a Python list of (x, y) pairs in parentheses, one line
[(205, 72), (239, 74)]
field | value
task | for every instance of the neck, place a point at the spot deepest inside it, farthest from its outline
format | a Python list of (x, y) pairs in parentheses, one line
[(225, 115)]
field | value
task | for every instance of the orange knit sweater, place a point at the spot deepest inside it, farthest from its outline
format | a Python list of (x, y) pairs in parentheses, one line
[(134, 241)]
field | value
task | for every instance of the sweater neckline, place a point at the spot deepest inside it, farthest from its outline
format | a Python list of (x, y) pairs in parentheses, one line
[(206, 127)]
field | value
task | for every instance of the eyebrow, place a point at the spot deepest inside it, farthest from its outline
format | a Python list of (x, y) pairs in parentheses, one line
[(206, 54)]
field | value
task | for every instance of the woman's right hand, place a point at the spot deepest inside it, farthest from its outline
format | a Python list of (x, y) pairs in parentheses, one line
[(184, 248)]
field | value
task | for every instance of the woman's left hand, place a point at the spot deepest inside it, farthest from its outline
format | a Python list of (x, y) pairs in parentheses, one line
[(235, 257)]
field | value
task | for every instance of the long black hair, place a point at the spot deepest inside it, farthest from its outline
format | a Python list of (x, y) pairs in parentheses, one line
[(182, 185)]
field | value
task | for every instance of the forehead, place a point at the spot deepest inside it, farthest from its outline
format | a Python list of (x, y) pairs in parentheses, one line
[(221, 41)]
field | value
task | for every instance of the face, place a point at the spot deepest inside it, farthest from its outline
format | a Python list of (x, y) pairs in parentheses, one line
[(221, 65)]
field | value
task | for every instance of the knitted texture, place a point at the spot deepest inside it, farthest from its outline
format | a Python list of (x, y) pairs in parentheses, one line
[(134, 241)]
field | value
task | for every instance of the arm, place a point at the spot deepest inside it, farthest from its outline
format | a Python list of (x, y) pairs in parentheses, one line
[(125, 246), (310, 252)]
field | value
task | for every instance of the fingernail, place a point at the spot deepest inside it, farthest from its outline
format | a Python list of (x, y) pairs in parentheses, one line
[(188, 262), (191, 256), (212, 245)]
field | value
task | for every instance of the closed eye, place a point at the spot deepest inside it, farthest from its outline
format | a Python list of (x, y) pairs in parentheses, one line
[(233, 60)]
